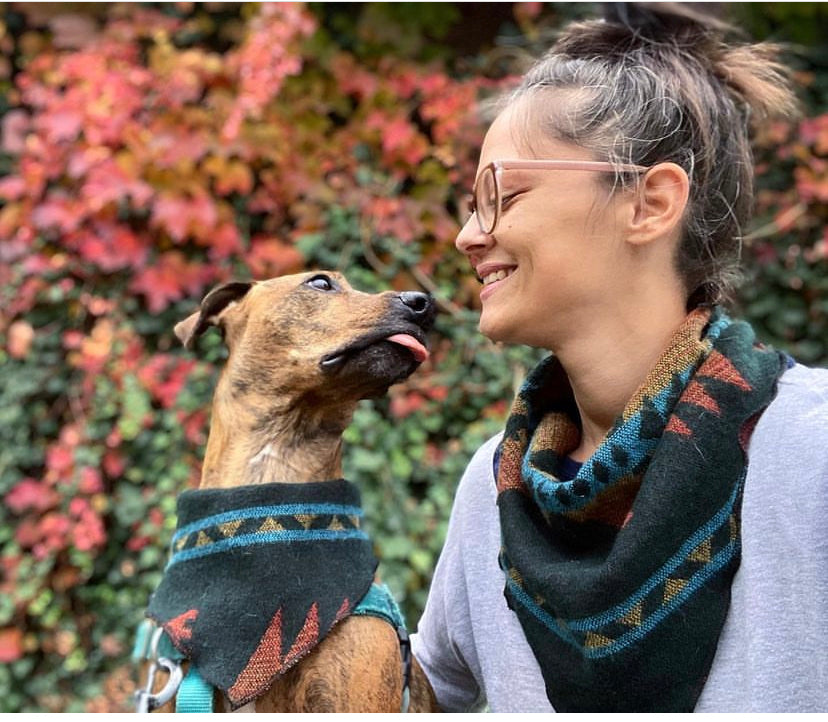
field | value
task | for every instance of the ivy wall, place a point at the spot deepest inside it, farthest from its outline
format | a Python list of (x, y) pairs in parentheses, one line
[(150, 151)]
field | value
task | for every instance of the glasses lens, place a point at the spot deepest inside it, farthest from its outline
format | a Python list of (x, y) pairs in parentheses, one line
[(486, 199)]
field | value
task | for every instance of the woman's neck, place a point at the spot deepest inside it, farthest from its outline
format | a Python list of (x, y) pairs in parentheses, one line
[(606, 367)]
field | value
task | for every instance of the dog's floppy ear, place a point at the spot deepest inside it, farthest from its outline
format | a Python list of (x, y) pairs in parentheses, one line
[(215, 303)]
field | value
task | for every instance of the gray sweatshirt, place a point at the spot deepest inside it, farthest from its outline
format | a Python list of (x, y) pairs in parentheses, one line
[(773, 652)]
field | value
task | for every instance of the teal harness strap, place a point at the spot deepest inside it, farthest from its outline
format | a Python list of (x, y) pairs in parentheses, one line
[(194, 694), (379, 602)]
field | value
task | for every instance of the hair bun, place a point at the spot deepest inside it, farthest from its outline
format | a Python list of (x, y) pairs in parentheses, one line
[(680, 22)]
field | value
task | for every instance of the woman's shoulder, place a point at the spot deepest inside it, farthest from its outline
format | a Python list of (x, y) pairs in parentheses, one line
[(791, 432), (476, 493), (801, 400)]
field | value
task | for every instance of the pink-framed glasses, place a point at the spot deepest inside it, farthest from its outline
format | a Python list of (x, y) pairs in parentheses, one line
[(487, 201)]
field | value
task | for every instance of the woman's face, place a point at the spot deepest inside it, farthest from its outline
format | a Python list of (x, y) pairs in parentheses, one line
[(556, 242)]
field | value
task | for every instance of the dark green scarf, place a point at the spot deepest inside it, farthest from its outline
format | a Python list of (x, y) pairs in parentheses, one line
[(259, 575), (621, 576)]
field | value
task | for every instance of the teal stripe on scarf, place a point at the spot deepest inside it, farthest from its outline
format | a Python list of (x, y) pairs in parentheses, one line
[(262, 512), (621, 576)]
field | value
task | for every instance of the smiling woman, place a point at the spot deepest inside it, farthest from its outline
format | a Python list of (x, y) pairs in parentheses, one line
[(625, 508)]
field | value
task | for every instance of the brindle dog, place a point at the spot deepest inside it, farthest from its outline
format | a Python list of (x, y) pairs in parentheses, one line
[(303, 350)]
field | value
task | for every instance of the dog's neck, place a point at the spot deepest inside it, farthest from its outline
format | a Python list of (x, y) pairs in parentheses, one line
[(281, 442)]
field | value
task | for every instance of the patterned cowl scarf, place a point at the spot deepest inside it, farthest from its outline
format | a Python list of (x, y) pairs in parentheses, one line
[(259, 575), (621, 576)]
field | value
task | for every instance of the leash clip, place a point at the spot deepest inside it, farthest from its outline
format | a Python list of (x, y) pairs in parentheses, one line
[(145, 700)]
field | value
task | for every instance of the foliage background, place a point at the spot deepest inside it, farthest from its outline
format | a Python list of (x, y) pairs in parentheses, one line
[(149, 151)]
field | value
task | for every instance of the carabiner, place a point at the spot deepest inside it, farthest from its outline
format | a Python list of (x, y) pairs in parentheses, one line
[(145, 700)]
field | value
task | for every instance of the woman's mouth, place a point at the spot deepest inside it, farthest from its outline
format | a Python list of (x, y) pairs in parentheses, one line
[(489, 278), (498, 275)]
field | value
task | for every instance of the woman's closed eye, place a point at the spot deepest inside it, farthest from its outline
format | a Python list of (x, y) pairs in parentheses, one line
[(508, 198)]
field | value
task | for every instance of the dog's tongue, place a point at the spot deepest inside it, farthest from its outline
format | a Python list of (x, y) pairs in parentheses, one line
[(412, 344)]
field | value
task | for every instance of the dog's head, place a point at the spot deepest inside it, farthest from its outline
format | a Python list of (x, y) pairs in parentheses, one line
[(312, 334)]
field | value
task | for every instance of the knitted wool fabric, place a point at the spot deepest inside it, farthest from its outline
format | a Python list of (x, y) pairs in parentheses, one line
[(621, 576), (259, 575)]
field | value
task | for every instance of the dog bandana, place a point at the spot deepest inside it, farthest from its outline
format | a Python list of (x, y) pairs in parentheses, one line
[(621, 576), (258, 575)]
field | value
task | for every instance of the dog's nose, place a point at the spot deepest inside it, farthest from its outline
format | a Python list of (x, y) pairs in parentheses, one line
[(419, 305)]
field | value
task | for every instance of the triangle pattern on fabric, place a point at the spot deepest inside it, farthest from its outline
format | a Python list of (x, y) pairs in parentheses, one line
[(179, 628), (697, 395), (718, 366), (265, 663), (270, 524), (673, 587), (229, 528), (307, 637), (702, 553), (305, 520), (633, 617), (594, 641), (677, 426)]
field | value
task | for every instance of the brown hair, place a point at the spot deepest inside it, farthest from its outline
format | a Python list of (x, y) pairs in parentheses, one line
[(657, 82)]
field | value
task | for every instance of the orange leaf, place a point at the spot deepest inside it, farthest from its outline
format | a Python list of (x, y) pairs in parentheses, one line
[(11, 644)]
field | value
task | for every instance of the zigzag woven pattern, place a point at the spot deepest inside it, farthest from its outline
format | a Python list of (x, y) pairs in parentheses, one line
[(258, 577), (266, 525), (621, 576)]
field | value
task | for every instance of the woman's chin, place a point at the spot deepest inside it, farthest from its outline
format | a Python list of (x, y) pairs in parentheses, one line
[(496, 329)]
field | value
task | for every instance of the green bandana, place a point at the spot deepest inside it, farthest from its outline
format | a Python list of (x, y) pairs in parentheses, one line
[(258, 577), (621, 576)]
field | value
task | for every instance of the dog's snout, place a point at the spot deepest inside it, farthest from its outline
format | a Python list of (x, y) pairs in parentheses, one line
[(419, 305)]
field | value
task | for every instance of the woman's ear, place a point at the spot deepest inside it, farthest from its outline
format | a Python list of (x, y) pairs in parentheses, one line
[(659, 203)]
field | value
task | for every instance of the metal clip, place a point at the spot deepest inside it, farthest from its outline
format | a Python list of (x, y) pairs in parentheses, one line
[(145, 700)]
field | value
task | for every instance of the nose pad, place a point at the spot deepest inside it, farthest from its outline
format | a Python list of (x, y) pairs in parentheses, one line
[(419, 306)]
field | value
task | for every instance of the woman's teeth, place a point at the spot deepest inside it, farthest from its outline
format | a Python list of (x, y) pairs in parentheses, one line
[(497, 276)]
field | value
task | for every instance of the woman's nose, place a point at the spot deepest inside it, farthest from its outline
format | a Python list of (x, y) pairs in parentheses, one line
[(471, 239)]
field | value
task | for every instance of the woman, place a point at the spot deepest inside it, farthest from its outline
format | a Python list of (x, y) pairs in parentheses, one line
[(655, 507)]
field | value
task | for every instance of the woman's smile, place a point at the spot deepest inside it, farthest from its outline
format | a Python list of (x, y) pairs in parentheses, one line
[(492, 277)]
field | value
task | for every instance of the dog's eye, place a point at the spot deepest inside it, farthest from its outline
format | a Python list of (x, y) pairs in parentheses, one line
[(321, 283)]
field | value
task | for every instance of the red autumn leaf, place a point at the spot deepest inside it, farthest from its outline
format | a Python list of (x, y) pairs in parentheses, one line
[(90, 481), (89, 532), (195, 427), (60, 212), (61, 125), (234, 177), (107, 182), (12, 188), (15, 127), (269, 257), (223, 242), (113, 464), (19, 337), (59, 458), (181, 216), (169, 279), (172, 214), (31, 494), (110, 246), (11, 644)]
